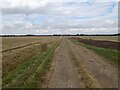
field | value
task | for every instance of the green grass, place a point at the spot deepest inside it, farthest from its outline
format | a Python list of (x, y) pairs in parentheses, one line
[(109, 54), (30, 73)]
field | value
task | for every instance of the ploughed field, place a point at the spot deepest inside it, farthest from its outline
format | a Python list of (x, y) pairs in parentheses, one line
[(100, 43), (58, 62)]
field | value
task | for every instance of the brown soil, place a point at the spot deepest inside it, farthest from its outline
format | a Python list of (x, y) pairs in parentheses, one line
[(99, 43)]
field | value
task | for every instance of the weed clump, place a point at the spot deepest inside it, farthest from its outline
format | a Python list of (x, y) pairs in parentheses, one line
[(43, 47)]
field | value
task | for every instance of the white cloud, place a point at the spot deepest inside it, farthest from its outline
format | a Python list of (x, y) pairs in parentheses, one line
[(42, 16), (110, 21)]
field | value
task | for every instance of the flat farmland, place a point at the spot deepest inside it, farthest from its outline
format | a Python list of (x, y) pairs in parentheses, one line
[(14, 42), (59, 62), (108, 38), (17, 50)]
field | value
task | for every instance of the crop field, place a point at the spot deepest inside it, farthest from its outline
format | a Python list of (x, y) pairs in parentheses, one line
[(60, 62), (16, 42), (18, 50), (109, 38)]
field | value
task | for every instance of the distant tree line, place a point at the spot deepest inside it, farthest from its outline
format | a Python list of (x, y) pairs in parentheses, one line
[(61, 35), (86, 34)]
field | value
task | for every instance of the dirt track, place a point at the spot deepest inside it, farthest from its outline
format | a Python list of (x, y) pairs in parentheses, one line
[(75, 66)]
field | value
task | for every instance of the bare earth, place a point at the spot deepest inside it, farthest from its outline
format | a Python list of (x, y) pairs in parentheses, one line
[(90, 70), (64, 75)]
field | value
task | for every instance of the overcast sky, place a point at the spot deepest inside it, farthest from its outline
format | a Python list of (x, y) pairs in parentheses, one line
[(59, 17)]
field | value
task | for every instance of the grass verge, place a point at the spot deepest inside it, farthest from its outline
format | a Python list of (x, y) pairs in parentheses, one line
[(30, 73), (109, 54)]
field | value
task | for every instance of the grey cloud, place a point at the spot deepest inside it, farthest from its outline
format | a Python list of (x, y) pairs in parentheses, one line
[(61, 17)]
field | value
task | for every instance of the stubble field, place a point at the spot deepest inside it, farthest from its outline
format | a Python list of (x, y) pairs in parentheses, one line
[(108, 38), (58, 62)]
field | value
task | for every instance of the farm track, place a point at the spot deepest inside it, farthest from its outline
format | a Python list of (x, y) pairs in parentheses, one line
[(64, 74), (71, 66), (74, 66), (97, 66)]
